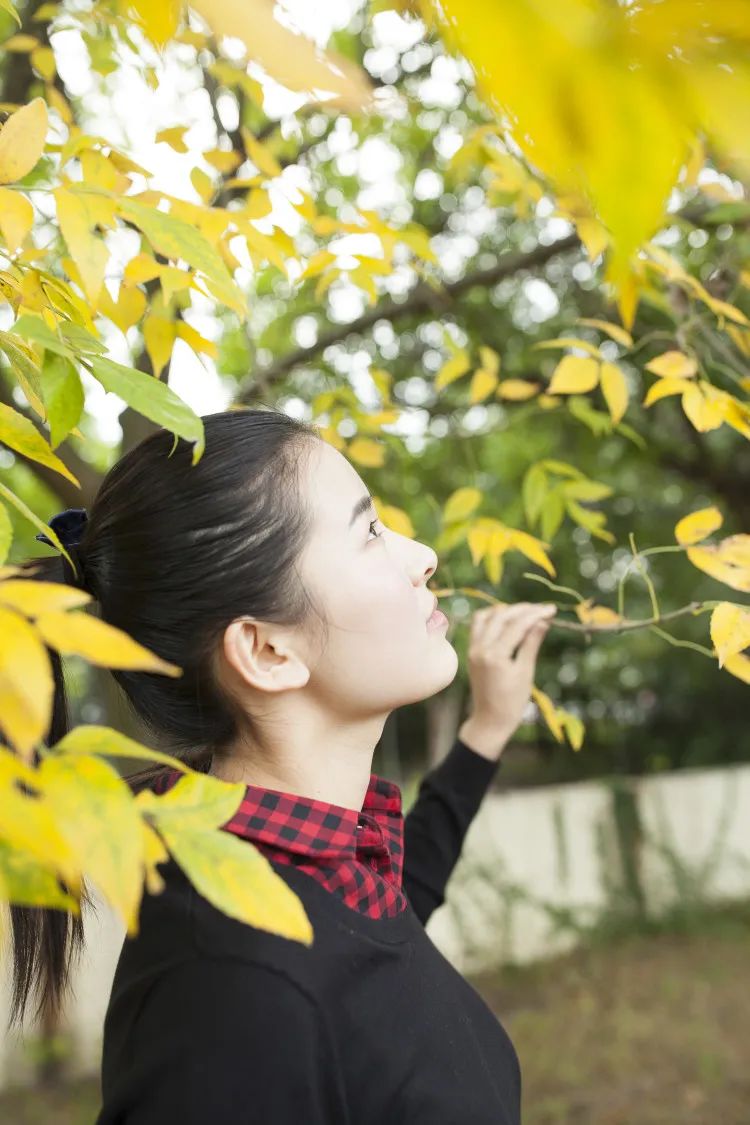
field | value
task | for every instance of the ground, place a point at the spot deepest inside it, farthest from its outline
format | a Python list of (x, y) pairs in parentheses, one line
[(646, 1030)]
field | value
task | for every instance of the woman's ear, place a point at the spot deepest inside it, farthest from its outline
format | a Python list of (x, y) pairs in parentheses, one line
[(263, 656)]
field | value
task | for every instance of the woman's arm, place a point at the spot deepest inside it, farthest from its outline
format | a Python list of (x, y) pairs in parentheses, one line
[(450, 794), (435, 826)]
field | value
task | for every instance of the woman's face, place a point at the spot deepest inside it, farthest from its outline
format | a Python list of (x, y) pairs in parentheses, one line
[(371, 585)]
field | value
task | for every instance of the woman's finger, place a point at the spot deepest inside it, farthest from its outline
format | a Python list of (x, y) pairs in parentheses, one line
[(507, 635), (490, 621), (529, 648)]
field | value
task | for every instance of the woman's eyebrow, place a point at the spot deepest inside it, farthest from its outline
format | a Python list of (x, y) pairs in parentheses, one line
[(360, 507)]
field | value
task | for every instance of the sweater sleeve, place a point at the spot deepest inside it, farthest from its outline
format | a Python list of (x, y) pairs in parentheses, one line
[(231, 1043), (435, 826)]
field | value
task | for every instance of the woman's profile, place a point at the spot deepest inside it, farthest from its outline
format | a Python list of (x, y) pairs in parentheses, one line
[(300, 622)]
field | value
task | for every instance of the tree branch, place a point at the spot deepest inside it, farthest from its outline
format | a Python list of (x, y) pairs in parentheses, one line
[(421, 299)]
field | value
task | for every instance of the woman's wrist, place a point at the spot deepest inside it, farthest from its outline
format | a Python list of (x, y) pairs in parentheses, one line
[(485, 738)]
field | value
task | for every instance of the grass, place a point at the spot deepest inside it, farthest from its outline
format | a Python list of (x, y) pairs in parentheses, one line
[(643, 1030), (647, 1030)]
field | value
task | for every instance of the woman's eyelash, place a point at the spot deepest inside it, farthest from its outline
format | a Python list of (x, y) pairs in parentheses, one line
[(377, 534)]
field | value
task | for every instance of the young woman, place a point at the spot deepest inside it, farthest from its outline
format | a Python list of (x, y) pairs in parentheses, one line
[(300, 622)]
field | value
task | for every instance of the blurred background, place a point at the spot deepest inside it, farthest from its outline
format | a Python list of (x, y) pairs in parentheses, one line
[(602, 903)]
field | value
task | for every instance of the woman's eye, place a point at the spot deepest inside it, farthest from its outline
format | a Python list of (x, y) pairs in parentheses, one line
[(377, 534)]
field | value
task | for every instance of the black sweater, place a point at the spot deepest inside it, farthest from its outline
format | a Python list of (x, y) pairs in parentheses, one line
[(214, 1022)]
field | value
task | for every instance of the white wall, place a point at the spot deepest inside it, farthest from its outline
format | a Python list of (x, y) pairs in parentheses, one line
[(526, 855)]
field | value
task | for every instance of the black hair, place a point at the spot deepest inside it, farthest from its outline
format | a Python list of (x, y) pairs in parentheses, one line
[(172, 553)]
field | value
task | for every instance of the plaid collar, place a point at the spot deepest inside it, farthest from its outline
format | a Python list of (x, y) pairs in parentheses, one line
[(325, 833)]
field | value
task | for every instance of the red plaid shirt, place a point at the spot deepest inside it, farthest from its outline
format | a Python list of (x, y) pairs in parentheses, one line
[(357, 855)]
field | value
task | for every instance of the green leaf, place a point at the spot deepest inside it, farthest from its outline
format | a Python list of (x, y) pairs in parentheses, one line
[(32, 517), (6, 6), (62, 394), (174, 238), (6, 533), (152, 398), (80, 339), (33, 328), (20, 363), (738, 211)]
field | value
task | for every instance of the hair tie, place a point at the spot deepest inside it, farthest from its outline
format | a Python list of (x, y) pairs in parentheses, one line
[(69, 526)]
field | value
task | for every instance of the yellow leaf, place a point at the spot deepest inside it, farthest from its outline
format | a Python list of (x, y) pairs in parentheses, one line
[(22, 141), (709, 560), (461, 504), (290, 58), (483, 383), (26, 684), (574, 375), (573, 728), (195, 341), (203, 184), (479, 537), (673, 365), (233, 875), (127, 310), (705, 411), (97, 815), (159, 21), (452, 369), (366, 452), (99, 171), (143, 267), (28, 882), (493, 559), (173, 280), (21, 434), (594, 236), (55, 100), (174, 137), (38, 596), (99, 642), (601, 615), (223, 160), (16, 218), (159, 336), (90, 738), (532, 548), (28, 822), (197, 801), (723, 308), (739, 666), (571, 342), (261, 156), (154, 853), (662, 388), (395, 519), (43, 61), (735, 549), (548, 712), (516, 390), (615, 390), (619, 334), (490, 359), (730, 630), (698, 525), (21, 43), (88, 250)]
